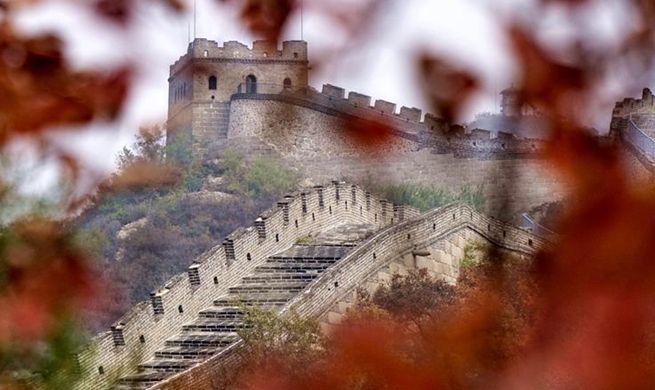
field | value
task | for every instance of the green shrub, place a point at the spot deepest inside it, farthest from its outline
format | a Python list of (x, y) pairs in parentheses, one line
[(267, 176), (264, 176)]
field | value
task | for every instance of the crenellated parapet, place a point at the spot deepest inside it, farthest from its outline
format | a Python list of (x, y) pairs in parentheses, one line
[(145, 328), (233, 51), (429, 130), (631, 106)]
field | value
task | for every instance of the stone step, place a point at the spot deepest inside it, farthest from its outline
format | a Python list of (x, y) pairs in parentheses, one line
[(212, 325), (274, 267), (312, 253), (142, 380), (186, 352), (271, 278), (226, 313), (202, 338), (301, 260), (262, 287), (167, 365), (277, 299)]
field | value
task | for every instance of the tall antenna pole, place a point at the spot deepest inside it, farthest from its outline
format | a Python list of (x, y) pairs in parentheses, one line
[(195, 23), (301, 22)]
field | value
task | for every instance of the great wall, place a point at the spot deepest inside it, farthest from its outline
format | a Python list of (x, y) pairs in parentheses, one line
[(314, 249), (188, 325)]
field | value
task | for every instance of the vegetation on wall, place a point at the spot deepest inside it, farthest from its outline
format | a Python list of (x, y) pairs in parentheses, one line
[(425, 197), (263, 176)]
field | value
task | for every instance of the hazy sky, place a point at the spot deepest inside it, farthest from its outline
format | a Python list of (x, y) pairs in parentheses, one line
[(467, 31)]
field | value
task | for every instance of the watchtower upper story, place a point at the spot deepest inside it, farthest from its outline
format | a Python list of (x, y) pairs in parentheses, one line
[(211, 72)]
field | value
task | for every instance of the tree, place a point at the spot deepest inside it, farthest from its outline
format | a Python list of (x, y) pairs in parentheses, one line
[(149, 148)]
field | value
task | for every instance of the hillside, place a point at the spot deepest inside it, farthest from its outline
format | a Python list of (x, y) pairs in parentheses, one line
[(142, 236)]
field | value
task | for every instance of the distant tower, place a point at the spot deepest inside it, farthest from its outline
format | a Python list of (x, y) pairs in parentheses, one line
[(511, 102), (202, 82)]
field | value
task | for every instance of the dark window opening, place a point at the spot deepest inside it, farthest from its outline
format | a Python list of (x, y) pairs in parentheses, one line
[(287, 84), (530, 242), (409, 236), (296, 223), (215, 280), (101, 370), (180, 309), (248, 257), (142, 339), (313, 218), (330, 209), (212, 82), (251, 84), (277, 238)]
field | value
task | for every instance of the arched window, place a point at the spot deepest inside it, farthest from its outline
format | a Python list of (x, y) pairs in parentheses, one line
[(287, 84), (212, 82), (251, 84)]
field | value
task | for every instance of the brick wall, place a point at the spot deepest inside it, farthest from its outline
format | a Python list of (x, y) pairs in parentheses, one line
[(143, 331), (315, 142), (368, 258)]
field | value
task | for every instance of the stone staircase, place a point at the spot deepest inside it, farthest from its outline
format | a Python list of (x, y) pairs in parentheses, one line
[(271, 286)]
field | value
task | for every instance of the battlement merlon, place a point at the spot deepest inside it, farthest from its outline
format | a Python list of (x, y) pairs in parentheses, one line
[(233, 50), (630, 106)]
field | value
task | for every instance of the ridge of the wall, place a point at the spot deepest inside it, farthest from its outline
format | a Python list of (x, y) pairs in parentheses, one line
[(377, 251), (632, 126), (407, 122), (143, 330), (631, 106)]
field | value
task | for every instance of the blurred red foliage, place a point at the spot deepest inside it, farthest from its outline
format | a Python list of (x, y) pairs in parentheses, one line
[(40, 90), (46, 278)]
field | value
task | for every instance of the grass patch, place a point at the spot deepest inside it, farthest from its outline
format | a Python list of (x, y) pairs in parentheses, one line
[(429, 197)]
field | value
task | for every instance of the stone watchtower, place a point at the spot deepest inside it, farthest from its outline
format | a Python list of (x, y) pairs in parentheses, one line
[(511, 102), (202, 82)]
